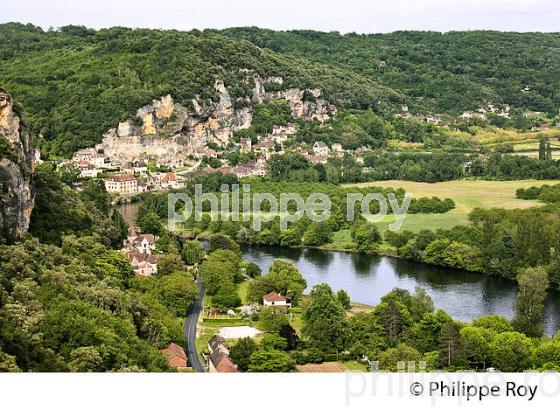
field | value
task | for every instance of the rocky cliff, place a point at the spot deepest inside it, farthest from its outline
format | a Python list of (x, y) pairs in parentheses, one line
[(16, 167), (170, 132)]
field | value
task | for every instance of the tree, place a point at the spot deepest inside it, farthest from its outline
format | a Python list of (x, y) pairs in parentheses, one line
[(271, 361), (366, 236), (69, 174), (272, 319), (511, 352), (530, 301), (495, 323), (477, 341), (177, 292), (451, 350), (168, 264), (94, 192), (283, 277), (251, 269), (390, 359), (85, 359), (325, 321), (221, 267), (317, 234), (192, 252), (289, 333), (150, 223), (220, 241), (115, 264), (240, 353), (343, 299), (547, 355), (226, 297), (8, 363), (426, 333), (393, 316), (274, 342)]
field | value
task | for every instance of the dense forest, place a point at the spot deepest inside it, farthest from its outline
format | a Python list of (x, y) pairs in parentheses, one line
[(440, 72), (75, 83), (69, 300)]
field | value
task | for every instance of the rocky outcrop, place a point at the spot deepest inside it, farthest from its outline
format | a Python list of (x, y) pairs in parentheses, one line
[(305, 104), (16, 167), (170, 132)]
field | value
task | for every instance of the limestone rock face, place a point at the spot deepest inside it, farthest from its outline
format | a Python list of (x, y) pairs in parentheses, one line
[(16, 166), (170, 132), (318, 109)]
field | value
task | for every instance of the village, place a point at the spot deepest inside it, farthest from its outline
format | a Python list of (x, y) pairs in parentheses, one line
[(147, 173)]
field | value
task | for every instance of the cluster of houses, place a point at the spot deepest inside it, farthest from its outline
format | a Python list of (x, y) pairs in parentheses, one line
[(218, 357), (138, 250)]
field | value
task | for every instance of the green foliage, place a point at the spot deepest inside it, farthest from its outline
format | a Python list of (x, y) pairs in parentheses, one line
[(269, 113), (533, 284), (192, 252), (273, 342), (271, 361), (317, 234), (511, 352), (406, 62), (325, 320), (226, 297), (60, 211), (283, 277), (150, 223), (251, 269), (240, 353), (92, 82), (390, 358), (272, 320), (169, 263), (219, 241), (343, 299), (366, 236), (220, 268)]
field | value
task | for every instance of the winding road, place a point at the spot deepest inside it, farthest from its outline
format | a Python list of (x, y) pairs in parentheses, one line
[(190, 330)]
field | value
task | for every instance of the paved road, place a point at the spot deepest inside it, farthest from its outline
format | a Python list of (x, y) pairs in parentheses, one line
[(190, 331)]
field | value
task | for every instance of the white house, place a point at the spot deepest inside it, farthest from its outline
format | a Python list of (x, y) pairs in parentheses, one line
[(275, 299)]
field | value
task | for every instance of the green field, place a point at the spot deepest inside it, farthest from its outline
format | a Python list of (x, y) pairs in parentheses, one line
[(467, 194)]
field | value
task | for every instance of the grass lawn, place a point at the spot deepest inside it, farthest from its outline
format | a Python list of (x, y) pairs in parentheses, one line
[(242, 290), (467, 194)]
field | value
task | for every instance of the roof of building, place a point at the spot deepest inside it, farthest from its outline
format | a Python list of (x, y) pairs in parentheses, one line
[(141, 257), (147, 236), (215, 342), (274, 297), (222, 362), (169, 176), (174, 350), (121, 178)]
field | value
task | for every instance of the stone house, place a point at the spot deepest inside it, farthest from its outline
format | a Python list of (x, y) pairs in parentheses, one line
[(124, 184)]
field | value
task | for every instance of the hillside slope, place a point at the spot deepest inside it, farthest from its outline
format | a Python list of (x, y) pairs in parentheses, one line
[(441, 72), (76, 83)]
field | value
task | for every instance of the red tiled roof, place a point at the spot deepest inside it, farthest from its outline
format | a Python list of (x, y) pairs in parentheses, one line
[(173, 351), (274, 297), (222, 362)]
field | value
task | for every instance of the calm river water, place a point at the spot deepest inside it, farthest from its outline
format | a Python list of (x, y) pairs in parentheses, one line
[(463, 295)]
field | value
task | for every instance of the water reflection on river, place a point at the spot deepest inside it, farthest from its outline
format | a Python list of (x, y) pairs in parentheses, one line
[(464, 295)]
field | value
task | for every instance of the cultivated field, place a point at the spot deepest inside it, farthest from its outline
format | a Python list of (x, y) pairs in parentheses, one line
[(467, 194)]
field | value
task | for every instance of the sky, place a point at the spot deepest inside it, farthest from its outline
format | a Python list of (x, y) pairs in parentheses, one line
[(360, 16)]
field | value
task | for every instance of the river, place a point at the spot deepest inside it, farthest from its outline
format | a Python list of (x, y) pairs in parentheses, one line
[(463, 295)]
